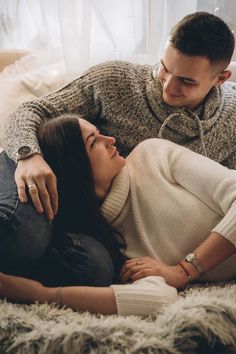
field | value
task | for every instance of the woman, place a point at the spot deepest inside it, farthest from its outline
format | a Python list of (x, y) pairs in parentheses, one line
[(175, 209)]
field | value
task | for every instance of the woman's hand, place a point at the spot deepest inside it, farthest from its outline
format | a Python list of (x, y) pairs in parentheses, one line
[(21, 289), (138, 268)]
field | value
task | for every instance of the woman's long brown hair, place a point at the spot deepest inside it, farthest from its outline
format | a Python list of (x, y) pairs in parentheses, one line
[(63, 148)]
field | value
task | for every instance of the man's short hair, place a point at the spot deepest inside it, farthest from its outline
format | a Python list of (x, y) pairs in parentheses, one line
[(203, 34)]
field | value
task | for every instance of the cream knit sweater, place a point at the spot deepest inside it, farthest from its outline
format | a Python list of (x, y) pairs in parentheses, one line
[(166, 201), (124, 100)]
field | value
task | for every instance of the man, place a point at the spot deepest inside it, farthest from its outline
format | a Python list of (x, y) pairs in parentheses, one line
[(182, 99)]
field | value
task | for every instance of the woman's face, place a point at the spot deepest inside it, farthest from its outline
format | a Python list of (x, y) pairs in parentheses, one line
[(105, 160)]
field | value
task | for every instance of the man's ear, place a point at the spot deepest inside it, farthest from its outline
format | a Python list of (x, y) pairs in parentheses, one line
[(223, 76)]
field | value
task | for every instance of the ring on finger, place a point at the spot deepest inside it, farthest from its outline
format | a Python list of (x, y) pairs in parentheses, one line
[(32, 186)]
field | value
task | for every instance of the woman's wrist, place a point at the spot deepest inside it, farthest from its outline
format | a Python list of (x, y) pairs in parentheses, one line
[(49, 295), (188, 271)]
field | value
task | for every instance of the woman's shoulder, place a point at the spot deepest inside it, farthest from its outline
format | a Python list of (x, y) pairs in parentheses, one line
[(159, 150), (157, 144)]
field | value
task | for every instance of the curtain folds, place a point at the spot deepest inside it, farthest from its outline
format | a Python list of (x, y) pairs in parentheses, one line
[(86, 32)]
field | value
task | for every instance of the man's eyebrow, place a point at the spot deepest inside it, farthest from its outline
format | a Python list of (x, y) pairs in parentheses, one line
[(181, 77)]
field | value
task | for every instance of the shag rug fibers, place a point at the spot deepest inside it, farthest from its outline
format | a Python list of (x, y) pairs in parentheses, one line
[(202, 321)]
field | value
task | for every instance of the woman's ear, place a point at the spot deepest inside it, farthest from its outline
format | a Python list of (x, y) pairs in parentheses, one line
[(223, 76)]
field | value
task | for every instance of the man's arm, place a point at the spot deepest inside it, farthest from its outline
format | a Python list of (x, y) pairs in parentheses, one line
[(21, 131)]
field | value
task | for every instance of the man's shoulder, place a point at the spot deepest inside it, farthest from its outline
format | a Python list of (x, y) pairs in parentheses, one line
[(229, 87), (117, 66)]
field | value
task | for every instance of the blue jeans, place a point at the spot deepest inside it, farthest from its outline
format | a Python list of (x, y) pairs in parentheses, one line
[(26, 248)]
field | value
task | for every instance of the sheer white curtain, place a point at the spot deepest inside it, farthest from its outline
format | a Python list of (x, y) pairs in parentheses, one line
[(85, 32)]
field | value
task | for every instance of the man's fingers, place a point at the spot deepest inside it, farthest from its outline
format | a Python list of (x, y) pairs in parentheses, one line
[(21, 191), (34, 195), (53, 195), (45, 201), (35, 171)]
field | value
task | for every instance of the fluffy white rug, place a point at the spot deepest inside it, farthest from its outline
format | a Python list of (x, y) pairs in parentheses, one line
[(202, 321)]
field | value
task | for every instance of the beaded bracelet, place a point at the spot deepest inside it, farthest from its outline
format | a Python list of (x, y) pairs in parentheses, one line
[(186, 272)]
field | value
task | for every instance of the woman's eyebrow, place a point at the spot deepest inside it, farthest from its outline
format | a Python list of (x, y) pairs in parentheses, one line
[(91, 134)]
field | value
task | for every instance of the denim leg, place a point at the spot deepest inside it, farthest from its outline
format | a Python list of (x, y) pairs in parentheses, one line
[(78, 260), (24, 234), (25, 247)]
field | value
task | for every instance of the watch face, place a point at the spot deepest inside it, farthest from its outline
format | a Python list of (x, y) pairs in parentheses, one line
[(190, 257), (24, 151)]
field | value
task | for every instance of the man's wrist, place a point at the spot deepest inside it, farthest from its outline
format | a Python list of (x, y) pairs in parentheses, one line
[(26, 151)]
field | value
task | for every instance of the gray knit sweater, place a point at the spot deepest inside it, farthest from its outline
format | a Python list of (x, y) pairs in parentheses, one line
[(124, 100)]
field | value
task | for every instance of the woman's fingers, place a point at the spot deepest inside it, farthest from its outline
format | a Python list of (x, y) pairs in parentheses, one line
[(130, 271)]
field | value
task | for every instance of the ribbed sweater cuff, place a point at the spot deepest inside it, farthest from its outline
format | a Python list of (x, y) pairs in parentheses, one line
[(227, 225), (144, 297)]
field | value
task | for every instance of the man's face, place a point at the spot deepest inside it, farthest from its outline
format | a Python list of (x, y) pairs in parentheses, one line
[(185, 80)]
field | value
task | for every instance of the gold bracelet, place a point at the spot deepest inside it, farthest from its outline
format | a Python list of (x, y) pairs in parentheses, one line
[(190, 279), (58, 296)]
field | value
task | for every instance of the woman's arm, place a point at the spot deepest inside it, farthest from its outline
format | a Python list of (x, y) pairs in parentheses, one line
[(215, 185), (144, 297), (214, 250)]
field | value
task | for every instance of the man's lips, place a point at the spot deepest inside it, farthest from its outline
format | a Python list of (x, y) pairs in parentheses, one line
[(172, 94)]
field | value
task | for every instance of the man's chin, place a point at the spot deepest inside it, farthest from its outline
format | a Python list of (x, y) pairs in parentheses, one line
[(173, 102)]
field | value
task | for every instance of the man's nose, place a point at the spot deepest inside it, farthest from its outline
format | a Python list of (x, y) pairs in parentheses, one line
[(171, 85)]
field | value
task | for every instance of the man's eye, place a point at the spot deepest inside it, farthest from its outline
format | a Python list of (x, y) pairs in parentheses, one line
[(163, 68), (187, 82)]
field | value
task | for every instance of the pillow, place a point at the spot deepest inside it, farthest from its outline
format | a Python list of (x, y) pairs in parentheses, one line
[(32, 76)]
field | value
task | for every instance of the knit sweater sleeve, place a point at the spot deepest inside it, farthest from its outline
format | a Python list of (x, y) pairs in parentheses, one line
[(209, 181), (21, 127), (145, 296)]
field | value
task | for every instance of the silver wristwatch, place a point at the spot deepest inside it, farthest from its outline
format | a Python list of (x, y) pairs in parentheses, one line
[(191, 258), (26, 151)]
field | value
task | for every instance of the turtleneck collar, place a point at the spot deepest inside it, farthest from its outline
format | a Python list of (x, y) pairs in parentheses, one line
[(117, 196)]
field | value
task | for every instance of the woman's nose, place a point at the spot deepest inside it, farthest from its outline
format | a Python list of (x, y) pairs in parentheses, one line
[(110, 140)]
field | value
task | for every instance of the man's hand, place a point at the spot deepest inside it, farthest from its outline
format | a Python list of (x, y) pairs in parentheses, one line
[(138, 268), (35, 174)]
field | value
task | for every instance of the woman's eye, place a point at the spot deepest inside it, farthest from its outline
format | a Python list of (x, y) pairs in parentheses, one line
[(93, 143)]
